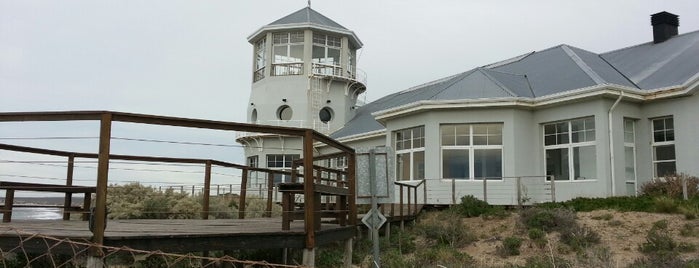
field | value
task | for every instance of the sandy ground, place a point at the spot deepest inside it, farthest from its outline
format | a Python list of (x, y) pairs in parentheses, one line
[(621, 233)]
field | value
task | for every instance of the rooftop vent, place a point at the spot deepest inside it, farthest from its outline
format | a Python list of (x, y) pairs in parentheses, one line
[(664, 26)]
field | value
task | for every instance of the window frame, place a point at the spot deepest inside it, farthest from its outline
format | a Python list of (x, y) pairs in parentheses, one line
[(632, 145), (411, 151), (285, 158), (655, 144), (471, 149), (567, 143), (288, 44)]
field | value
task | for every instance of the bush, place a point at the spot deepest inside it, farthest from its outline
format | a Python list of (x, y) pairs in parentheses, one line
[(658, 241), (670, 186), (471, 206), (664, 204), (536, 234), (510, 246), (548, 219), (579, 238), (440, 256), (620, 203), (445, 229)]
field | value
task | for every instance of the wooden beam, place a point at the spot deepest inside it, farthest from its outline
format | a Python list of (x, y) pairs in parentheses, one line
[(243, 194), (68, 200), (309, 191), (100, 215), (207, 191)]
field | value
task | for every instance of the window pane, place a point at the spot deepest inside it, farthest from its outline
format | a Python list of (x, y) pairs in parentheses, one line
[(333, 56), (562, 138), (549, 129), (577, 125), (403, 166), (480, 140), (318, 54), (658, 124), (419, 165), (550, 140), (659, 136), (665, 168), (669, 135), (296, 53), (585, 162), (669, 124), (665, 152), (590, 135), (630, 165), (455, 164), (280, 54), (557, 163), (488, 163)]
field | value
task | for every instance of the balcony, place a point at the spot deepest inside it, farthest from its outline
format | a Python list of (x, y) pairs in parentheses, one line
[(283, 69), (337, 72), (315, 125)]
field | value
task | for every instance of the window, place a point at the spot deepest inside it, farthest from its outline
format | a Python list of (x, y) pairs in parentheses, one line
[(260, 49), (253, 116), (410, 153), (284, 112), (282, 162), (253, 161), (571, 149), (288, 53), (326, 54), (664, 147), (471, 151), (629, 150), (325, 114)]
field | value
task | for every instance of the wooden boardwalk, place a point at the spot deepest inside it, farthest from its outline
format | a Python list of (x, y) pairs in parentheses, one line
[(170, 235)]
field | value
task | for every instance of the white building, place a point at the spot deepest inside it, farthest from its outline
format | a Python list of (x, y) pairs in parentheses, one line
[(599, 124)]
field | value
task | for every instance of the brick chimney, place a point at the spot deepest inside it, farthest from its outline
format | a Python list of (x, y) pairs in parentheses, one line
[(664, 26)]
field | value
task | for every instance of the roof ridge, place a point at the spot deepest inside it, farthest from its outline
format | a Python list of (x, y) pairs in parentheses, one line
[(508, 61), (465, 74), (432, 82), (497, 83), (583, 65), (650, 42)]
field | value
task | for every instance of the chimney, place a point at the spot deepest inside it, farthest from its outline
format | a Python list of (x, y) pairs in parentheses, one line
[(664, 26)]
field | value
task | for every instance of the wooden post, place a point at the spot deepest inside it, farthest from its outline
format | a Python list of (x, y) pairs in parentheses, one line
[(453, 191), (100, 215), (518, 180), (9, 201), (409, 201), (553, 188), (270, 191), (192, 190), (68, 201), (485, 189), (243, 193), (352, 185), (207, 191), (218, 189), (401, 207), (684, 187), (424, 191), (182, 189), (415, 199), (309, 191), (87, 201)]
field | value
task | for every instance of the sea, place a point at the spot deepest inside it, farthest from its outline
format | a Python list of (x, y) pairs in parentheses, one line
[(19, 213)]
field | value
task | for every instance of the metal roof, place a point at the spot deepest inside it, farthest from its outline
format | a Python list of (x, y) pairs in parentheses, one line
[(551, 71), (307, 18)]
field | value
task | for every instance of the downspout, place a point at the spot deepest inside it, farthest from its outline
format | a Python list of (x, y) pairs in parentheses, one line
[(611, 142)]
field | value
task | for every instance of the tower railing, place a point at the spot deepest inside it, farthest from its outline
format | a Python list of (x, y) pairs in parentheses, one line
[(316, 125)]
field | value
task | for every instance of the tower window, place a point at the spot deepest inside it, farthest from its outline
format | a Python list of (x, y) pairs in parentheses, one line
[(288, 53), (325, 114), (253, 116), (260, 48), (326, 54), (284, 112)]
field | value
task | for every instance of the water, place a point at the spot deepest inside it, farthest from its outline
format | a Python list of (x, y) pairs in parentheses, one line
[(36, 214)]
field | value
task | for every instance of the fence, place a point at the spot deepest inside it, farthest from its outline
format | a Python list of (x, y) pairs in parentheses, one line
[(520, 190), (63, 252)]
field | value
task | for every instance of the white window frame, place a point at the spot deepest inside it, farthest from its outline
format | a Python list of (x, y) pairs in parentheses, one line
[(411, 150), (471, 148), (325, 44), (655, 144), (288, 44), (570, 146), (284, 167)]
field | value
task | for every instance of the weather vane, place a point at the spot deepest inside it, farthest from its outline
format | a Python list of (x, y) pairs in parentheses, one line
[(309, 3)]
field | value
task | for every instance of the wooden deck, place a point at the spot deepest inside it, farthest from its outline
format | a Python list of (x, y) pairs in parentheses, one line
[(171, 235)]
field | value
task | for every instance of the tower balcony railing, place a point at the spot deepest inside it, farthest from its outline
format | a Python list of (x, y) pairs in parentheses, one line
[(282, 69), (258, 75), (324, 69), (316, 125)]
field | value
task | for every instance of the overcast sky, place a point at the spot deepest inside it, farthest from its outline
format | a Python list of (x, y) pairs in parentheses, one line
[(192, 58)]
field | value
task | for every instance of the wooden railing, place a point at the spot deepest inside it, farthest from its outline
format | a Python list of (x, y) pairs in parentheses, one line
[(69, 190), (309, 188)]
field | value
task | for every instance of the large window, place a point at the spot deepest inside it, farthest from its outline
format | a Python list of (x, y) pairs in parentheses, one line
[(260, 48), (629, 150), (664, 147), (326, 54), (283, 162), (471, 151), (571, 149), (288, 53), (410, 153)]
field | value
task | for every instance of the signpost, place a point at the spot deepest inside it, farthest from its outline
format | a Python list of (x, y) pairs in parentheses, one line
[(374, 219)]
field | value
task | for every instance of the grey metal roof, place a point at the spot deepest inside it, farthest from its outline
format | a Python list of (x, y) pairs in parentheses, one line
[(659, 65), (550, 71), (308, 15)]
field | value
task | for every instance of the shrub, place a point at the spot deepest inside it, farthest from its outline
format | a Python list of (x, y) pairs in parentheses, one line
[(546, 262), (471, 206), (686, 247), (671, 186), (621, 203), (664, 204), (548, 219), (688, 230), (440, 256), (536, 234), (579, 238), (445, 229), (510, 246), (658, 241)]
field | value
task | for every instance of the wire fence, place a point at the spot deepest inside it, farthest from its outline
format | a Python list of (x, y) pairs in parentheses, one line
[(36, 250)]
